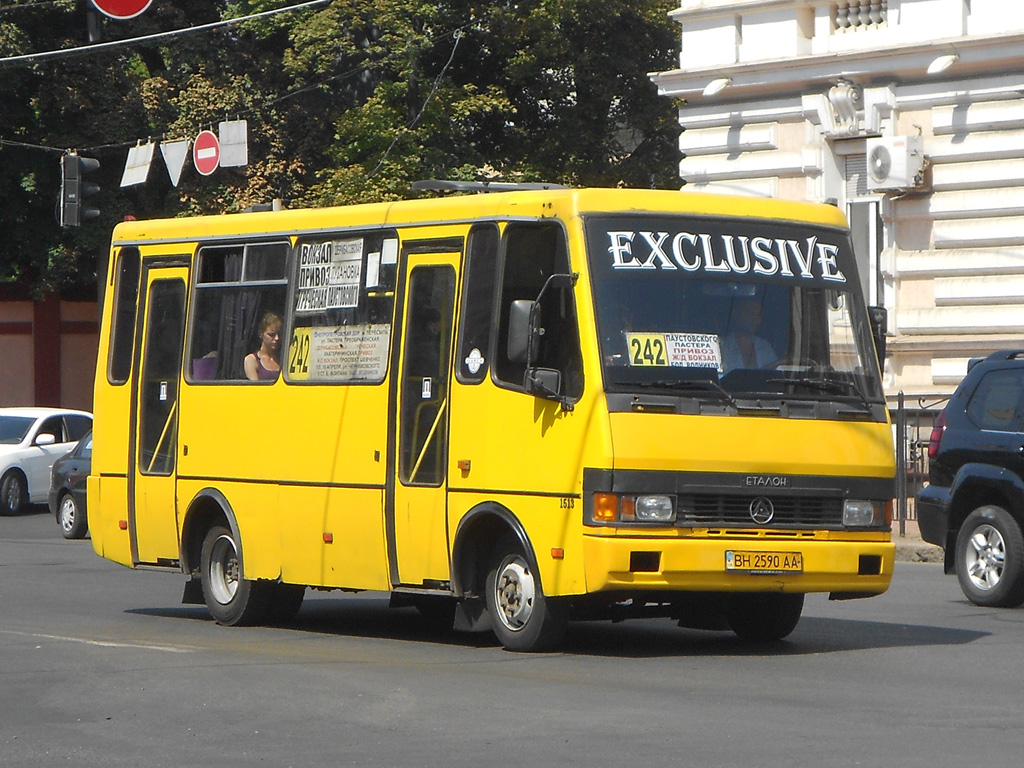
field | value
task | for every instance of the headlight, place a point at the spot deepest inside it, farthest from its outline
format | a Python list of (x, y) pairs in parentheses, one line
[(655, 509), (611, 507), (859, 513)]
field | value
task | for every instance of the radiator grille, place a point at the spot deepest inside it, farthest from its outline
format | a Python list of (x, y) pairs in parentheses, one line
[(790, 511)]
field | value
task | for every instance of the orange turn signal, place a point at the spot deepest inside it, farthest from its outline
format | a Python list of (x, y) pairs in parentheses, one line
[(606, 507)]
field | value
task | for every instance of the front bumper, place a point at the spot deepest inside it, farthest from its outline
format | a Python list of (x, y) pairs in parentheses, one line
[(933, 503), (697, 563)]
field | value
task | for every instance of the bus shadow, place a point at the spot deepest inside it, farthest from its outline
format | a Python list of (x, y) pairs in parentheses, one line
[(813, 636), (371, 618), (350, 616)]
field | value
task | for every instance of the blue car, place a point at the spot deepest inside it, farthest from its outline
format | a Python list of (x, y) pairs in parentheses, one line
[(67, 489)]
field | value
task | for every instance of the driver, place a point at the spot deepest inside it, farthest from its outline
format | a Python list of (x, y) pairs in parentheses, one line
[(742, 346)]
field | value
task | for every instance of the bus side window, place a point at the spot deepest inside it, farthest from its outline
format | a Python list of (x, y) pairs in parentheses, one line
[(122, 338), (532, 254), (478, 282), (236, 285)]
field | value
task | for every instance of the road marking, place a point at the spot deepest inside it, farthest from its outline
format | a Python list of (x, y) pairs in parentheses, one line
[(101, 643)]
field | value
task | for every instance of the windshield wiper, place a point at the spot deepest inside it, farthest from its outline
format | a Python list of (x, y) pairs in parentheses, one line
[(707, 386), (831, 386)]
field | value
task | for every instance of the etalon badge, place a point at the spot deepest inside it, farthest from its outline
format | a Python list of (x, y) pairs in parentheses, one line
[(761, 510)]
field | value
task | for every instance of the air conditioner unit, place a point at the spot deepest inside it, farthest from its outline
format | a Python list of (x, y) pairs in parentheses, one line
[(895, 162)]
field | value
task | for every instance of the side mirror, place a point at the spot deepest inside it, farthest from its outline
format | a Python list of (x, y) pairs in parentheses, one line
[(543, 382), (523, 335), (879, 317), (45, 439)]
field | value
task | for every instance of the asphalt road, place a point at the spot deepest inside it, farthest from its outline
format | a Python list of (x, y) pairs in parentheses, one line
[(101, 665)]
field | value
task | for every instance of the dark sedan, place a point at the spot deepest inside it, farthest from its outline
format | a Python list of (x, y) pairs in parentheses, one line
[(67, 489)]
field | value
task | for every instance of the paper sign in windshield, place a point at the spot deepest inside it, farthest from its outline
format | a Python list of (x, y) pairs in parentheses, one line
[(350, 353), (329, 275), (680, 350)]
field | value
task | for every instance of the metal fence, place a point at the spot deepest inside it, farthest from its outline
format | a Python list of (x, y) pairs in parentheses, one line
[(912, 424)]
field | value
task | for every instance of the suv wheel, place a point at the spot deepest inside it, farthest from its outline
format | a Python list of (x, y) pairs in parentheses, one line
[(990, 558)]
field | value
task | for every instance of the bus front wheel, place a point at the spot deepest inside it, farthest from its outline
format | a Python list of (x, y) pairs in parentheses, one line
[(522, 618), (231, 600), (764, 617)]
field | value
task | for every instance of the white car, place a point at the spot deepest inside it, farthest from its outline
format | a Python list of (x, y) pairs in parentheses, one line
[(31, 439)]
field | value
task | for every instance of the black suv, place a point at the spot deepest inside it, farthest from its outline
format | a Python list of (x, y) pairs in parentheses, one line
[(973, 506)]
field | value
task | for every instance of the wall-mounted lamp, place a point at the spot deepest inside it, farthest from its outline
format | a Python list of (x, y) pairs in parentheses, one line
[(942, 63), (717, 86)]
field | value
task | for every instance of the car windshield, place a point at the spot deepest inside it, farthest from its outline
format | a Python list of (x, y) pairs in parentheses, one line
[(721, 309), (14, 428)]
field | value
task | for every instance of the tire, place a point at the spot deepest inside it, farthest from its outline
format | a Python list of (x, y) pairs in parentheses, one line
[(522, 618), (73, 524), (13, 493), (231, 600), (764, 617), (990, 558)]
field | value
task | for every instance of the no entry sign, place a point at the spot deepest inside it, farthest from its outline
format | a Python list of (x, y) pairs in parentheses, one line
[(206, 152), (122, 9)]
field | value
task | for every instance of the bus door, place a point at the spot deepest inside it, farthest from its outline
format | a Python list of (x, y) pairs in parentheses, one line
[(152, 512), (417, 505)]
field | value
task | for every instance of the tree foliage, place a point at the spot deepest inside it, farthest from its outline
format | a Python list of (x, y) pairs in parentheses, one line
[(346, 101)]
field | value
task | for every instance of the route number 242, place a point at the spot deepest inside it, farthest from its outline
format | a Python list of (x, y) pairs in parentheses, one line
[(647, 349)]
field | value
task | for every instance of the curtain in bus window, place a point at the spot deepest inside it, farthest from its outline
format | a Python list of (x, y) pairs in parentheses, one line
[(237, 286), (239, 317), (265, 261)]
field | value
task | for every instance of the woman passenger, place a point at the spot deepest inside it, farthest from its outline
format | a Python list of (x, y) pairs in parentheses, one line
[(262, 364)]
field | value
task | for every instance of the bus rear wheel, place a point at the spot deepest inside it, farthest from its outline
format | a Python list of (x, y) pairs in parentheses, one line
[(522, 618), (231, 600), (764, 617)]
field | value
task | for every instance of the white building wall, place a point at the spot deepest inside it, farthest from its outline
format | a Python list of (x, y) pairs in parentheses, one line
[(810, 82)]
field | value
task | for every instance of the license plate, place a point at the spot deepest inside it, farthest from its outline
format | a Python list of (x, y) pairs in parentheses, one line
[(764, 562)]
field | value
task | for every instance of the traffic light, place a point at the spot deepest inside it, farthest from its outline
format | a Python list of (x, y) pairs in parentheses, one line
[(73, 190)]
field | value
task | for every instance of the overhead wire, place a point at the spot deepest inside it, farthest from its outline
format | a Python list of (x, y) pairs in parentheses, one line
[(456, 34), (83, 49)]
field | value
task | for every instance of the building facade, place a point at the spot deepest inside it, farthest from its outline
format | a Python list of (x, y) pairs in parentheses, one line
[(909, 114), (47, 349)]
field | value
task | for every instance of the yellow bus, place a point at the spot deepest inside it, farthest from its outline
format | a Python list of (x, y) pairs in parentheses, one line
[(509, 410)]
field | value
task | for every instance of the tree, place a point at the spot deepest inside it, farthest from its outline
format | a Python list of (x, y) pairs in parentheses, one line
[(553, 90), (347, 101)]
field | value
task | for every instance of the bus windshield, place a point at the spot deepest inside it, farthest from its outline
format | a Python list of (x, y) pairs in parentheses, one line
[(724, 308)]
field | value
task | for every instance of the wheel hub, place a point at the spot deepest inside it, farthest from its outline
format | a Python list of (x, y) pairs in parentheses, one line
[(12, 495), (515, 594), (67, 514), (986, 557), (224, 570)]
